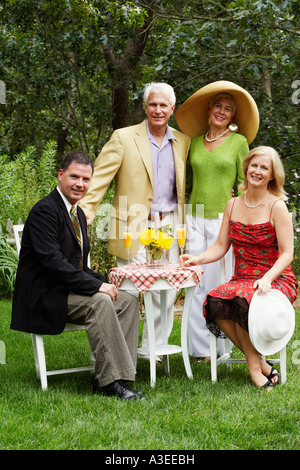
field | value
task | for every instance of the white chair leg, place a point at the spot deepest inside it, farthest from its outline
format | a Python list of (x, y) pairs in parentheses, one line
[(2, 352), (221, 346), (228, 349), (283, 365), (36, 362), (92, 359), (40, 360), (228, 346), (213, 356)]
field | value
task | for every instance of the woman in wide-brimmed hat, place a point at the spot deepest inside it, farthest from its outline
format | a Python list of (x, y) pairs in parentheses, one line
[(260, 229), (222, 119)]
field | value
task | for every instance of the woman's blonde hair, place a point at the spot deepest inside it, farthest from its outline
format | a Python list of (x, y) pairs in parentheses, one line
[(219, 96), (276, 184)]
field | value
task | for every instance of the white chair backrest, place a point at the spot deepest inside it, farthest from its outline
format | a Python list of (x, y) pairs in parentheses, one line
[(18, 230), (226, 273)]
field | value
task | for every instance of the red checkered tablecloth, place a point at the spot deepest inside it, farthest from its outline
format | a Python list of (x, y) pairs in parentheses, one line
[(143, 277)]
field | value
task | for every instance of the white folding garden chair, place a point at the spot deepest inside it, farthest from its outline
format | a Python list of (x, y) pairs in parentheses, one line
[(226, 357), (38, 342)]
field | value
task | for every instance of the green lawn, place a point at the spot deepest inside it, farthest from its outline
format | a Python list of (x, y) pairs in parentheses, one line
[(179, 414)]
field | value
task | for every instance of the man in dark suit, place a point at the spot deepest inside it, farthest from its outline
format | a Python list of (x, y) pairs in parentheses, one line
[(54, 285)]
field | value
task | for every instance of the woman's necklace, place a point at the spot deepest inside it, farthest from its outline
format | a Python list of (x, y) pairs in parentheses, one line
[(251, 207), (218, 136), (231, 127)]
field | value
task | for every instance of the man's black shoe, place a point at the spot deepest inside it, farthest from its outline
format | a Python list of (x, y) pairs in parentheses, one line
[(119, 389), (138, 392)]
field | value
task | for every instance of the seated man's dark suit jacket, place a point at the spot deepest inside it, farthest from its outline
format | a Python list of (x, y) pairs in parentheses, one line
[(48, 268)]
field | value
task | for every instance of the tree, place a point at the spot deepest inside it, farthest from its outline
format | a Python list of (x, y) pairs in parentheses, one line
[(52, 63), (75, 70), (122, 56)]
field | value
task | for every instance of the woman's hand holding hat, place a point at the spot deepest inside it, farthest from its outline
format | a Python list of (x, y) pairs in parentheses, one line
[(263, 285)]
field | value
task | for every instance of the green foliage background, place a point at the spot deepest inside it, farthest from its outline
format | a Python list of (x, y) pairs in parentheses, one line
[(75, 70)]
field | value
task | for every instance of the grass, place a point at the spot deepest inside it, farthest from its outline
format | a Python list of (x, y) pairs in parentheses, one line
[(179, 414)]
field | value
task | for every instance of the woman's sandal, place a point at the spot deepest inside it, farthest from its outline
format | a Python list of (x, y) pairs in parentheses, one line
[(274, 373), (268, 385)]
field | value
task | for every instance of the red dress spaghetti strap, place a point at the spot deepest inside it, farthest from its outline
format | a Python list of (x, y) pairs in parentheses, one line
[(255, 249)]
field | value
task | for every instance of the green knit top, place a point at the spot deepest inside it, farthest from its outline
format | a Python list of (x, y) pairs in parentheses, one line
[(212, 175)]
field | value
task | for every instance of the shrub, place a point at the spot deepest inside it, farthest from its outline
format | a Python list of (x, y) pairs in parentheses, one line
[(24, 180), (101, 260), (8, 268)]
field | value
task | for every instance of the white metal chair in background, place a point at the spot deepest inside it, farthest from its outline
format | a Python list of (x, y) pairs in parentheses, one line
[(38, 342), (226, 357)]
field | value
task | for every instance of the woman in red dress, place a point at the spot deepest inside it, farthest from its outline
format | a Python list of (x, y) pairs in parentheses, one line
[(259, 227)]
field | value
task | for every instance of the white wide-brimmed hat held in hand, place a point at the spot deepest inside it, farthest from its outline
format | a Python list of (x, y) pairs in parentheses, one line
[(271, 321)]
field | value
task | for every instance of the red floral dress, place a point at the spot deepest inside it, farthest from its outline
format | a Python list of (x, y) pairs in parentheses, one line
[(255, 249)]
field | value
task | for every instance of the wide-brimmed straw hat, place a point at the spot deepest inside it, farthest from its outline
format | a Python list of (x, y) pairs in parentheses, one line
[(192, 116), (271, 321)]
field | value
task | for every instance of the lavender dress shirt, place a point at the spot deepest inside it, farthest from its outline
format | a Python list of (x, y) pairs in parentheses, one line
[(164, 182)]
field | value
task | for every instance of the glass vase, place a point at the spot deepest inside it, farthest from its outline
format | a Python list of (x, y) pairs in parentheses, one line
[(156, 258)]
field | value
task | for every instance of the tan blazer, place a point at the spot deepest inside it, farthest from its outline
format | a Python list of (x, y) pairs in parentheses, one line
[(127, 158)]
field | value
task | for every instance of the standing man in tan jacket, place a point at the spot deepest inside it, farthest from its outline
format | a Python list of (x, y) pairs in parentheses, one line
[(148, 163)]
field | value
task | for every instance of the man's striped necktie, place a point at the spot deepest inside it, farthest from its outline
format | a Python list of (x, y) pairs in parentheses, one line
[(76, 226)]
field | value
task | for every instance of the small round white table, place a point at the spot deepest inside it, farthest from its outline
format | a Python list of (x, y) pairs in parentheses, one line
[(139, 278)]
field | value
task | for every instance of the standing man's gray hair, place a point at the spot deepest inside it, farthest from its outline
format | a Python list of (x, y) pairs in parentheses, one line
[(160, 88)]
